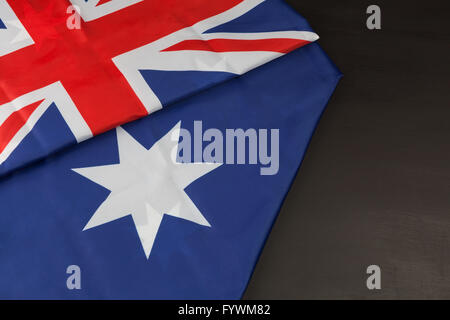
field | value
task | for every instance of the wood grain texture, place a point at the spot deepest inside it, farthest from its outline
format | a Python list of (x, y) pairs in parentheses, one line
[(374, 187)]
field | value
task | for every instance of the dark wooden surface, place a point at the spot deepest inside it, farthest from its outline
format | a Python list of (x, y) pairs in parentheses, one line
[(374, 187)]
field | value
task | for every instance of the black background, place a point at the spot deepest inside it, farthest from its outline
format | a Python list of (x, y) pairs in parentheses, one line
[(374, 187)]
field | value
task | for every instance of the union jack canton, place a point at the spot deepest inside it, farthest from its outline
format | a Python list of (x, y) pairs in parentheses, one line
[(125, 60)]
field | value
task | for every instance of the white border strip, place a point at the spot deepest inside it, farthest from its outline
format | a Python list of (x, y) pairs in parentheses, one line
[(54, 93)]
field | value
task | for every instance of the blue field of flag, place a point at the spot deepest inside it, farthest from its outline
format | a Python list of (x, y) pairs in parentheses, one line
[(45, 207)]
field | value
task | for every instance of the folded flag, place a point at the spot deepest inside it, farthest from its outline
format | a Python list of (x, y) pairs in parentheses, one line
[(70, 70), (176, 205), (138, 225)]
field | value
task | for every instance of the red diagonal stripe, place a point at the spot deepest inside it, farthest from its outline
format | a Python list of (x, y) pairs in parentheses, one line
[(281, 45), (14, 122), (102, 2)]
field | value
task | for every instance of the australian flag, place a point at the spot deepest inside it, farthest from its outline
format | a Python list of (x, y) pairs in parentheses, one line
[(147, 146)]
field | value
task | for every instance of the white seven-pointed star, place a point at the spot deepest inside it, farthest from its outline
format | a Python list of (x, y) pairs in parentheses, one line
[(147, 184)]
